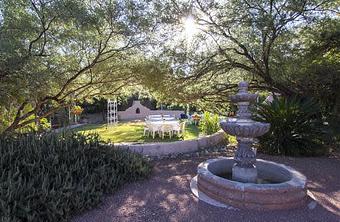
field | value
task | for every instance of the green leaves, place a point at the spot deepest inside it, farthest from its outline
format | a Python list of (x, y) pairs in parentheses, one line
[(210, 123), (296, 127), (58, 51), (50, 177)]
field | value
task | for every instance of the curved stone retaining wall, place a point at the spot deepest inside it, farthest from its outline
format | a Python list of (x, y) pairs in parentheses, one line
[(177, 147)]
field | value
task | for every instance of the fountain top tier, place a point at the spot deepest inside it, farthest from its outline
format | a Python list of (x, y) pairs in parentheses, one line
[(243, 125), (243, 95)]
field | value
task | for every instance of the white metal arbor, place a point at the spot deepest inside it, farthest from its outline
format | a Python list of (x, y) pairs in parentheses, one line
[(112, 117)]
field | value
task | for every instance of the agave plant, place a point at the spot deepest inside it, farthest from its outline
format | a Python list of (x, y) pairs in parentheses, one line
[(296, 127)]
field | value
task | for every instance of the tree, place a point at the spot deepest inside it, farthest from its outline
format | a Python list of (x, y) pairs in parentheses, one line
[(53, 52), (249, 39), (318, 74)]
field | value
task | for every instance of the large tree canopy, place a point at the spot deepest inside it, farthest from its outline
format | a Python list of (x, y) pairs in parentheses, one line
[(55, 51), (259, 41)]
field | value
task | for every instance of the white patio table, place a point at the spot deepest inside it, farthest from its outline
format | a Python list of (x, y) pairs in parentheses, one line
[(158, 118), (159, 123)]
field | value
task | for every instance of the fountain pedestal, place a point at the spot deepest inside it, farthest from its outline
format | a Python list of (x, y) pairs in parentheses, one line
[(244, 170)]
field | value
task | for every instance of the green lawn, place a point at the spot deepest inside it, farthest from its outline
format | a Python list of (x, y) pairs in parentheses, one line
[(132, 132)]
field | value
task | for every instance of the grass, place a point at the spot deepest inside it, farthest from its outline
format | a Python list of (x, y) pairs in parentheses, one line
[(133, 132)]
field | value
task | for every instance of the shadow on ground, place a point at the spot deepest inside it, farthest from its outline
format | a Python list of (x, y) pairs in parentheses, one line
[(166, 196)]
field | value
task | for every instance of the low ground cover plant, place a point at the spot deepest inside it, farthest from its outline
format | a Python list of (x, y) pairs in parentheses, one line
[(51, 177)]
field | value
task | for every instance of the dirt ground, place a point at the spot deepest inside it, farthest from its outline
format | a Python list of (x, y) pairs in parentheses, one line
[(166, 195)]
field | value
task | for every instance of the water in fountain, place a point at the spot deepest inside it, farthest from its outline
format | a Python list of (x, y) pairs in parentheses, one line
[(259, 179)]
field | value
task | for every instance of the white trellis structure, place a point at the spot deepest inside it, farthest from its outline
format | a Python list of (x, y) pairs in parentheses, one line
[(112, 117)]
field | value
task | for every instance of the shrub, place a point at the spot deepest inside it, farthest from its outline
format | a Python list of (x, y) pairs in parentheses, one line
[(43, 126), (333, 122), (77, 110), (51, 177), (296, 127), (210, 123)]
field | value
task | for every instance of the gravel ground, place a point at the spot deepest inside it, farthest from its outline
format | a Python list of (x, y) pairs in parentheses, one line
[(166, 196)]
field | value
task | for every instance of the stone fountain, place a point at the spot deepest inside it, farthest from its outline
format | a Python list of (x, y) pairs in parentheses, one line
[(244, 181), (245, 129)]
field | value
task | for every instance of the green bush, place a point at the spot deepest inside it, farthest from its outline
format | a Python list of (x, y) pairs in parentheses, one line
[(51, 177), (296, 127), (210, 123)]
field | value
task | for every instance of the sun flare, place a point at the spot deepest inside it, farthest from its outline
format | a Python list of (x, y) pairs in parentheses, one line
[(190, 27)]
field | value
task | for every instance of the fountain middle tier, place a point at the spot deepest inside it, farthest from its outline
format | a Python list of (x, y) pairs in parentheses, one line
[(244, 127)]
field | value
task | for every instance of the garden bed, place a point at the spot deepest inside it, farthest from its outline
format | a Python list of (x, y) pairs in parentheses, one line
[(50, 177)]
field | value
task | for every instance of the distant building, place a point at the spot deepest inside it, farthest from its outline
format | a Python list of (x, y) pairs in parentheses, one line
[(138, 111)]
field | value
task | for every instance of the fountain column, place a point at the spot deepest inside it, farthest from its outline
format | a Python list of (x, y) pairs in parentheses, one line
[(244, 169), (245, 129)]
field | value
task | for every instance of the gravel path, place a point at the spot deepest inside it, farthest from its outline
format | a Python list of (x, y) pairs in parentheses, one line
[(166, 196)]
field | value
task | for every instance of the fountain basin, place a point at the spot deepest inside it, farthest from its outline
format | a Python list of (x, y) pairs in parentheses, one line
[(286, 190)]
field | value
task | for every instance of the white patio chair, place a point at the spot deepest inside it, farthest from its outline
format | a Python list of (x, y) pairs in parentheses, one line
[(153, 130), (180, 128), (146, 128), (167, 128)]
